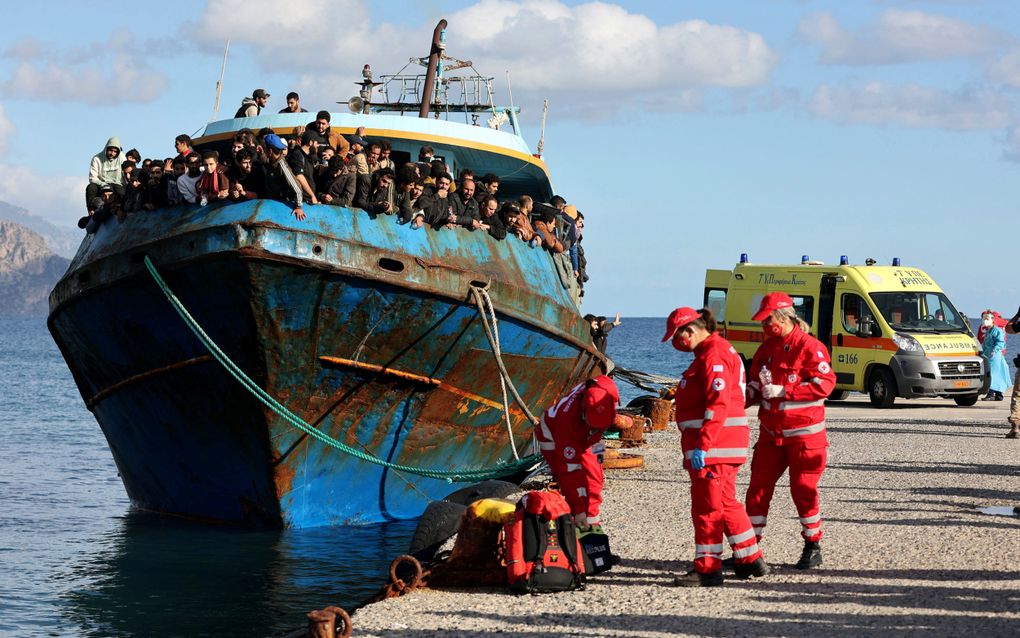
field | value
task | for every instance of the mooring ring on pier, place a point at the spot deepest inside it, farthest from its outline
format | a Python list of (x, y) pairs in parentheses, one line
[(403, 584), (342, 616)]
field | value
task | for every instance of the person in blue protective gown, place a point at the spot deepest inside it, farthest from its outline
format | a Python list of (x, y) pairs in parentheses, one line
[(991, 349)]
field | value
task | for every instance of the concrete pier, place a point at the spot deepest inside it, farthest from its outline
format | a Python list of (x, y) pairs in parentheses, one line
[(906, 549)]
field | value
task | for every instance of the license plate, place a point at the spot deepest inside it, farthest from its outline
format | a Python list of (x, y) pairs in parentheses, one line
[(961, 384)]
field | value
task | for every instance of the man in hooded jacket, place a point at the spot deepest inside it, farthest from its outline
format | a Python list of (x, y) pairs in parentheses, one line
[(105, 171)]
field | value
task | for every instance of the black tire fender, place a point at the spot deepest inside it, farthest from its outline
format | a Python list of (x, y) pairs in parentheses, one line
[(486, 489), (437, 525)]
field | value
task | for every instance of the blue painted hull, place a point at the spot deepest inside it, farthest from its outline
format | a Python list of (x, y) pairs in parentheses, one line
[(310, 311)]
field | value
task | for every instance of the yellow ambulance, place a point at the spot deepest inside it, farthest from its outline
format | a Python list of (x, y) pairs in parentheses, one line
[(891, 330)]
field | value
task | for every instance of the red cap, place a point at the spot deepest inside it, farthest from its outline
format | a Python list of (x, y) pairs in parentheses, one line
[(770, 303), (678, 319), (599, 403)]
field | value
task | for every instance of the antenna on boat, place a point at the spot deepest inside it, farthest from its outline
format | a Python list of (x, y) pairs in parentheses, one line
[(541, 137), (219, 83)]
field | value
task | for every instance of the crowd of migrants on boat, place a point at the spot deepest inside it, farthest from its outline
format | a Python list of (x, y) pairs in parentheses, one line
[(318, 165)]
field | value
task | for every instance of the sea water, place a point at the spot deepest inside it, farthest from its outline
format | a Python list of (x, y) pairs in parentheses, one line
[(75, 560)]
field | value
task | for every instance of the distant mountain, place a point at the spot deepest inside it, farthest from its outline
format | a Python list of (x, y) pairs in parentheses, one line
[(28, 270), (63, 241)]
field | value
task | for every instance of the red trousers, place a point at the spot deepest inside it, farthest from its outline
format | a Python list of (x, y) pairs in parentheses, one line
[(716, 513), (806, 467), (580, 479)]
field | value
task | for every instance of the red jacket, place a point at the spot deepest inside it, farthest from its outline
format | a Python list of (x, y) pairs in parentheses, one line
[(562, 424), (801, 364), (710, 404)]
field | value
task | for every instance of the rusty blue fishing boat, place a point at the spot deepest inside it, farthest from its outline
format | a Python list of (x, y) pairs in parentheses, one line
[(378, 341)]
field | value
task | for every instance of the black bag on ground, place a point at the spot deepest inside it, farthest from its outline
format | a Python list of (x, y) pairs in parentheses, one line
[(598, 558)]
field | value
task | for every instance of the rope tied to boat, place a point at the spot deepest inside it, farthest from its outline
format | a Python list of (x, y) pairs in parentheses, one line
[(487, 311), (464, 475)]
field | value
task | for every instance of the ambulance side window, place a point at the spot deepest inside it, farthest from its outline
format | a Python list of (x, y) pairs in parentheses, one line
[(854, 310), (805, 308), (715, 300)]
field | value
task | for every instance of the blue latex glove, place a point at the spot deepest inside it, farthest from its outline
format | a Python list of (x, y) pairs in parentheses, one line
[(698, 459)]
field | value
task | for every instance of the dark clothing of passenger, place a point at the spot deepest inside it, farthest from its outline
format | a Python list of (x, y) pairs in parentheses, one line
[(253, 182), (406, 205), (133, 199), (600, 334), (154, 196), (343, 189), (301, 164), (582, 263), (437, 209), (277, 186), (497, 228), (375, 202), (92, 198), (466, 211)]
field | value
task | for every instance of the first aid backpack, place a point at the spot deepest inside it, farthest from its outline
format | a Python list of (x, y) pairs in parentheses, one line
[(543, 553)]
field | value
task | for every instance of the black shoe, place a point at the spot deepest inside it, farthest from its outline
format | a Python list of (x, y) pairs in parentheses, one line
[(758, 569), (811, 556), (999, 397), (728, 563), (694, 579), (988, 397)]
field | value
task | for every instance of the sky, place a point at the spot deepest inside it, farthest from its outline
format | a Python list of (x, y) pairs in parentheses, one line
[(687, 132)]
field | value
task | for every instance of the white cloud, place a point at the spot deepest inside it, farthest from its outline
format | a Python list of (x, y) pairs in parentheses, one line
[(59, 199), (1006, 69), (598, 53), (913, 106), (900, 36), (6, 129), (100, 73)]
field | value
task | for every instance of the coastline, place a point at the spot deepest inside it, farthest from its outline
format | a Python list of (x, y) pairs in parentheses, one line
[(906, 549)]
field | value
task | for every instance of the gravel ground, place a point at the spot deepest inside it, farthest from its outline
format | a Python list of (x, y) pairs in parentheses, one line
[(906, 550)]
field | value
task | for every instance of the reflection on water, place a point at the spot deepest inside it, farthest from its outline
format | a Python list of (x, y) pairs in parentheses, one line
[(154, 576)]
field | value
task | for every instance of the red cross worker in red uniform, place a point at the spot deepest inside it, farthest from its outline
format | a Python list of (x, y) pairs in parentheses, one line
[(790, 377), (714, 439), (565, 434)]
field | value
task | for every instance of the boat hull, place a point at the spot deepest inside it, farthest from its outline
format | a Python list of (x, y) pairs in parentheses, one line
[(394, 363)]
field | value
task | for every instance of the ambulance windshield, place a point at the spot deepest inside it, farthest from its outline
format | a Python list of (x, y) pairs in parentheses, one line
[(919, 311)]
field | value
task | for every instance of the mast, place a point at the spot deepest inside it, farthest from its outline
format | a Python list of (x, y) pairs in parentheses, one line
[(219, 83), (430, 76), (541, 137)]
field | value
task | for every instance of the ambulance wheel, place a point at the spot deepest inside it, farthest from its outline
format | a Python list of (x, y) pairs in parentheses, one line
[(966, 401), (882, 388), (437, 525), (839, 395)]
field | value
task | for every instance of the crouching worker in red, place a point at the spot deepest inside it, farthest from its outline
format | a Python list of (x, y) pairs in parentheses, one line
[(790, 377), (565, 435), (714, 438)]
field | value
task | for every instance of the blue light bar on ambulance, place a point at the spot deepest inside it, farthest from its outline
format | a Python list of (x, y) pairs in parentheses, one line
[(895, 261), (743, 258), (805, 259), (844, 260)]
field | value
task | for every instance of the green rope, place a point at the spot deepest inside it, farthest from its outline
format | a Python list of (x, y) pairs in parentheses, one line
[(474, 474)]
